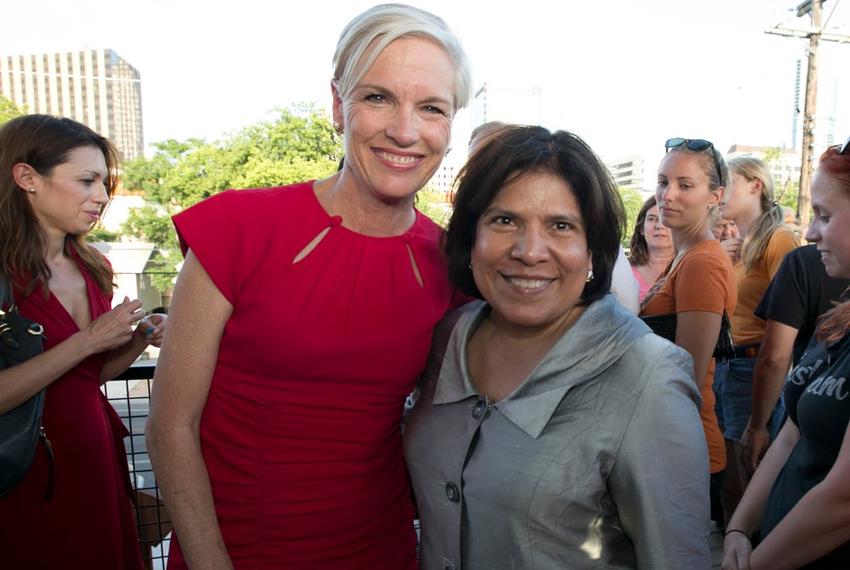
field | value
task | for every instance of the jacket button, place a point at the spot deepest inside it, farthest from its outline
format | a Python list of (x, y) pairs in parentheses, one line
[(452, 492), (480, 408)]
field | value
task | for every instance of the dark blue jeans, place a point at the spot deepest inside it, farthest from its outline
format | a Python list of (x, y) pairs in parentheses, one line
[(733, 388)]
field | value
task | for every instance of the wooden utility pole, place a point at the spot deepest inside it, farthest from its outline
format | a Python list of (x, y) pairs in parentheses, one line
[(815, 34), (804, 201)]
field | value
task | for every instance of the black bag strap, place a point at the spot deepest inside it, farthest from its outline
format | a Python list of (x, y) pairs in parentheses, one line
[(6, 297)]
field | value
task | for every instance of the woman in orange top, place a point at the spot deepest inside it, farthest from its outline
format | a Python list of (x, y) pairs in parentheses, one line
[(699, 285), (762, 242)]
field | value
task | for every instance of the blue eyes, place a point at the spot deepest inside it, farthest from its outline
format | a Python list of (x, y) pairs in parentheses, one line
[(381, 98)]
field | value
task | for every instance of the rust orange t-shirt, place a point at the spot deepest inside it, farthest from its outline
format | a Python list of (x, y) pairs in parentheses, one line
[(746, 327), (702, 280)]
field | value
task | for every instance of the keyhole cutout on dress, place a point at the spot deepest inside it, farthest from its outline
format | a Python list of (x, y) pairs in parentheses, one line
[(311, 246), (415, 267), (335, 221)]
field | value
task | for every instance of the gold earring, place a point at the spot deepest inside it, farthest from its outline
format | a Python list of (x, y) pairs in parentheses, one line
[(31, 190), (338, 128)]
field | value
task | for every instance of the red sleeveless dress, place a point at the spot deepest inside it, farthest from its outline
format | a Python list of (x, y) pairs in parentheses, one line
[(300, 433), (89, 522)]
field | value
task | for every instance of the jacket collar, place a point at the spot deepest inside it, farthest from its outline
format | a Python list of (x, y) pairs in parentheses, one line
[(595, 342)]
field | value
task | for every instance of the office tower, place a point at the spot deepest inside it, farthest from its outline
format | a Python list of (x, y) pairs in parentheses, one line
[(95, 87)]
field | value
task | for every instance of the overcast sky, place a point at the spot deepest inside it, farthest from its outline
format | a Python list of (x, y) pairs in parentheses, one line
[(623, 75)]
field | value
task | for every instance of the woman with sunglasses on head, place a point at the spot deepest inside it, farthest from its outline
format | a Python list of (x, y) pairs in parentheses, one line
[(651, 248), (699, 284), (763, 240), (798, 497)]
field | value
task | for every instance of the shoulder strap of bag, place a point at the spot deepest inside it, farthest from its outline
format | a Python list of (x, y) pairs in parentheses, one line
[(6, 297)]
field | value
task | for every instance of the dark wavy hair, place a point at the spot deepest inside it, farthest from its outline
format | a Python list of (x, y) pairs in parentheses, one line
[(43, 142), (638, 249), (516, 150)]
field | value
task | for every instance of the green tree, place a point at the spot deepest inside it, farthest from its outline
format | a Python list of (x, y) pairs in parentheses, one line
[(632, 201), (300, 144), (430, 202), (786, 194), (8, 110)]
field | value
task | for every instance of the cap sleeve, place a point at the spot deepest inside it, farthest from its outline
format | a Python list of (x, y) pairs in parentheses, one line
[(705, 283), (217, 230)]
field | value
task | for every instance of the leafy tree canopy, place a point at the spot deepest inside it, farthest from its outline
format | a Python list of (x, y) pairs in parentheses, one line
[(8, 110), (632, 201), (300, 144)]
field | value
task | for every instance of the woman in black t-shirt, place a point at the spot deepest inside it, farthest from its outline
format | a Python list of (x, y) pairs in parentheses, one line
[(799, 497)]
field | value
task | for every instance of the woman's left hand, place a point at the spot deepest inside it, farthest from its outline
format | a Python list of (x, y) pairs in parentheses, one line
[(152, 328), (736, 551)]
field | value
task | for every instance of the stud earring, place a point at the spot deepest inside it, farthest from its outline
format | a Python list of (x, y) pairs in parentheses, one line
[(338, 128), (589, 276), (31, 190), (710, 207)]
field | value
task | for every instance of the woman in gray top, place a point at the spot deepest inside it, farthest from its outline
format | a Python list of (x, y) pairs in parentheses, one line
[(552, 429)]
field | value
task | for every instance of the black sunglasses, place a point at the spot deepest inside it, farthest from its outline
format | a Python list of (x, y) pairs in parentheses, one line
[(697, 145)]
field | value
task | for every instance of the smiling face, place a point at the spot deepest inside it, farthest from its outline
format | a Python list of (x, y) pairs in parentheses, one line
[(70, 199), (831, 206), (397, 119), (683, 193), (656, 235), (530, 259)]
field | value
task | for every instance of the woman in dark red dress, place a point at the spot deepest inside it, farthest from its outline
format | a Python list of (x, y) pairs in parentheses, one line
[(299, 323), (56, 176)]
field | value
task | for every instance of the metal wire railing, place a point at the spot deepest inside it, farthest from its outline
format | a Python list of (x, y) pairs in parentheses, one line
[(129, 394)]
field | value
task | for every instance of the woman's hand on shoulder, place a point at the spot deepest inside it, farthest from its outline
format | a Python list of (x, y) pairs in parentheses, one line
[(113, 328), (151, 329), (736, 551)]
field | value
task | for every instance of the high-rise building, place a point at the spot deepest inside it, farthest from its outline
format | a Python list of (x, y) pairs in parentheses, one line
[(784, 163), (95, 87), (507, 103), (628, 172), (828, 106)]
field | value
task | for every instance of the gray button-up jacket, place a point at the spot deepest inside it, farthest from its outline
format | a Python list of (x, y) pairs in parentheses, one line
[(597, 460)]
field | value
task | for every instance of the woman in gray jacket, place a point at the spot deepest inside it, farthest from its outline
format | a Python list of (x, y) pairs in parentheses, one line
[(552, 429)]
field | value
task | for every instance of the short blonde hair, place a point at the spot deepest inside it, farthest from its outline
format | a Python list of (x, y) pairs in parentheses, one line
[(366, 36)]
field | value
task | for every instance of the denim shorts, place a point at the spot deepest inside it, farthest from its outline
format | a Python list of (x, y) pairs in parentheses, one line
[(733, 388)]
